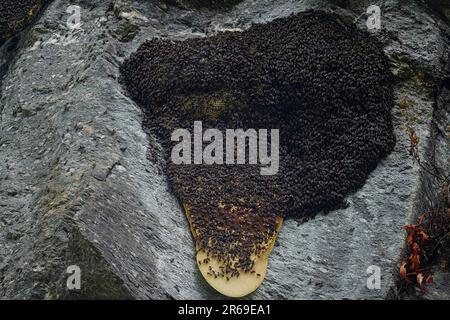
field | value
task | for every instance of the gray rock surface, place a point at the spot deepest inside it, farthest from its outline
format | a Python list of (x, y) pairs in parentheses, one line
[(77, 186)]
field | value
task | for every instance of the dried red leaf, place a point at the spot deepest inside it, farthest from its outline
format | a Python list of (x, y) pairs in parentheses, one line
[(403, 270), (415, 249), (422, 235), (410, 239), (421, 218), (409, 227), (415, 262), (420, 281)]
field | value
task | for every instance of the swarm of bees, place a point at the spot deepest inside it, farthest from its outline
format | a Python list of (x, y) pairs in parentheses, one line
[(324, 84), (205, 3), (15, 14)]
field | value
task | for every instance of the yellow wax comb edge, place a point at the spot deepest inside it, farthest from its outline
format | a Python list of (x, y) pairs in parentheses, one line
[(235, 287)]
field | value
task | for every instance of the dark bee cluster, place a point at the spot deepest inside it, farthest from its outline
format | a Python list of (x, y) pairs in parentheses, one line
[(205, 3), (15, 14), (324, 84)]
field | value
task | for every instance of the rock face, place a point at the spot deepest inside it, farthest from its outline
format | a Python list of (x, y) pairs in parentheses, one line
[(80, 181)]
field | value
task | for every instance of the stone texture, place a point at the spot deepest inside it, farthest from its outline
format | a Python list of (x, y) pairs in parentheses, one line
[(80, 181)]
